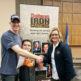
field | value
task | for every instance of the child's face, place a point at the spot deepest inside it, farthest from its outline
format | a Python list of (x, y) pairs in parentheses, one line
[(26, 45)]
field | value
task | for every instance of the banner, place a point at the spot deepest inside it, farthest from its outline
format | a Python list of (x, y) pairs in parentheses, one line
[(37, 21)]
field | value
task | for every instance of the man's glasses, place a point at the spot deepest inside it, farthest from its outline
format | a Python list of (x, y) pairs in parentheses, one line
[(54, 34)]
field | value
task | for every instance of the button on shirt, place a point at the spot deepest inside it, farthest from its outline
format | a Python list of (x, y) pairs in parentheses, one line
[(54, 70)]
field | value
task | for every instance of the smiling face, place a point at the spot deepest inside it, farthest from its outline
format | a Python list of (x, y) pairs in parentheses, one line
[(45, 48), (15, 26), (26, 45), (36, 45), (55, 36)]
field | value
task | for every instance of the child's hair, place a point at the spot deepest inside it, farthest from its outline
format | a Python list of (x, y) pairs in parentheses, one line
[(25, 41)]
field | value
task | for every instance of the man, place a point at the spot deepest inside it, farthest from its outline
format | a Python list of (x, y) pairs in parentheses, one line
[(45, 47), (11, 49), (36, 47)]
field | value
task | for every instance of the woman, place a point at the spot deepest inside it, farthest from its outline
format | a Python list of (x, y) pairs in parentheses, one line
[(59, 56)]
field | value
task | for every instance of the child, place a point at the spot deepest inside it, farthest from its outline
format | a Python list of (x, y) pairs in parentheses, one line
[(24, 74)]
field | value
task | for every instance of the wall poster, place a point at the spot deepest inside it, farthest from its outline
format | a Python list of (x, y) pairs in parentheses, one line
[(37, 21)]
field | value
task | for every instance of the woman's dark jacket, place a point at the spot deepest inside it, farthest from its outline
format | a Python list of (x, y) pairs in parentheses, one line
[(63, 61)]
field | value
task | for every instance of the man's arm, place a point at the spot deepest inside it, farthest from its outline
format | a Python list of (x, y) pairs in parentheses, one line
[(24, 53)]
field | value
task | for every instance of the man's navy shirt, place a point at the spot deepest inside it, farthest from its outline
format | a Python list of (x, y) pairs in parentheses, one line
[(9, 57)]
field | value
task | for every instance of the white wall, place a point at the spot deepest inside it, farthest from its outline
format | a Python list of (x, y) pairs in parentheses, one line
[(7, 8)]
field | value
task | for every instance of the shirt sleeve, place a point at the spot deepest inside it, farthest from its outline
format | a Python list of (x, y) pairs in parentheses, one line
[(67, 57), (7, 41)]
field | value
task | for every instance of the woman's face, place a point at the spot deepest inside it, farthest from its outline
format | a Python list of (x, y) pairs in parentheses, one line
[(55, 36)]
